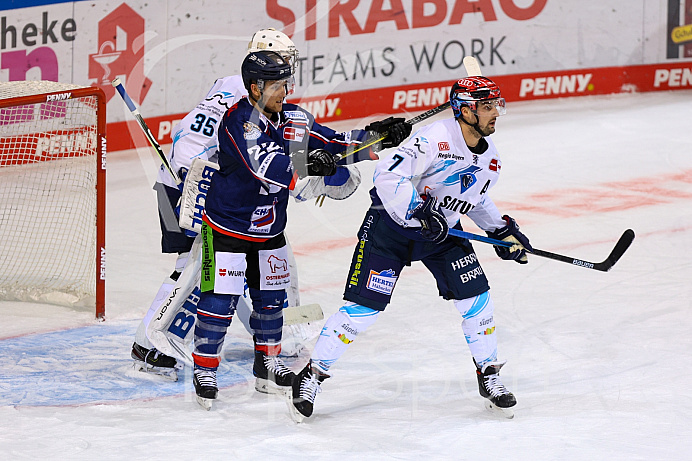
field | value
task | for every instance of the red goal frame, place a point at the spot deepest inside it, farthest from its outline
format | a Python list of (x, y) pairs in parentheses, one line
[(75, 93)]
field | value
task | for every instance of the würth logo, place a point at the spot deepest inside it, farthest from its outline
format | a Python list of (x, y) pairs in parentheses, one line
[(116, 55)]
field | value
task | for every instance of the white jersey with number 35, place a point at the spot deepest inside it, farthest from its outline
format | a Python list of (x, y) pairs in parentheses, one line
[(436, 161), (195, 135)]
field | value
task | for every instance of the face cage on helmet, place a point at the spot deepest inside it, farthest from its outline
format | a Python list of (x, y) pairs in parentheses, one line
[(291, 57)]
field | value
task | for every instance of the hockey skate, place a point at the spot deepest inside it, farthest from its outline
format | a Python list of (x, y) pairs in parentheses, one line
[(205, 387), (272, 375), (153, 361), (305, 388), (499, 399)]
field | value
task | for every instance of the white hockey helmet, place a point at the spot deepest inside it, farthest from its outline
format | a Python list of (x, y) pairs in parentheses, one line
[(271, 39)]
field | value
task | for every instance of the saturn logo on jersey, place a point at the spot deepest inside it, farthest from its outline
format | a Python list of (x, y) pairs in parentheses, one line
[(294, 134), (262, 218), (251, 131), (382, 282)]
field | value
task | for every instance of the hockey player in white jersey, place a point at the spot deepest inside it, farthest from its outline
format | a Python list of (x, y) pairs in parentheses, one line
[(196, 137), (422, 188)]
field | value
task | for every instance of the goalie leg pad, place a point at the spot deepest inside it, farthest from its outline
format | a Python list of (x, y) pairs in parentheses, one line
[(479, 327), (339, 331), (214, 315)]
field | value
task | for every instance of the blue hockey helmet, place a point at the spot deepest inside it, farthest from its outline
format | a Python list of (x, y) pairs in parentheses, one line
[(469, 90), (262, 66)]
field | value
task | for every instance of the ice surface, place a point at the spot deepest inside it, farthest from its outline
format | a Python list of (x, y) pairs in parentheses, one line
[(599, 362)]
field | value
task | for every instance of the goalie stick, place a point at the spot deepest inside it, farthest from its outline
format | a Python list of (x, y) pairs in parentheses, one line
[(604, 266), (143, 125)]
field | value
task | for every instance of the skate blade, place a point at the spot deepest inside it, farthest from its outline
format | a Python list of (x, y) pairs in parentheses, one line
[(166, 373), (205, 403), (296, 416), (265, 386), (505, 412)]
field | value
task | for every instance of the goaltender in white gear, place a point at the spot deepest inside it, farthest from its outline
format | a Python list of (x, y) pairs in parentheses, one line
[(163, 336)]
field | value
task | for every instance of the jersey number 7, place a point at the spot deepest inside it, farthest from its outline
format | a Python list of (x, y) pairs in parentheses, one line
[(397, 160)]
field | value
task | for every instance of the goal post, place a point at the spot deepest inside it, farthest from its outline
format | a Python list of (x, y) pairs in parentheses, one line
[(53, 194)]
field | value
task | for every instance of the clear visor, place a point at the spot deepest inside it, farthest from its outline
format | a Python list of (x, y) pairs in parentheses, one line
[(288, 83), (488, 105)]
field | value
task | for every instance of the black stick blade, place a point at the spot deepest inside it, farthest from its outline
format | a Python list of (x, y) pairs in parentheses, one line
[(619, 249)]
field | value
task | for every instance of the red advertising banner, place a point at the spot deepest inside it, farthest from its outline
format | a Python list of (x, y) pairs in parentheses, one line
[(420, 97)]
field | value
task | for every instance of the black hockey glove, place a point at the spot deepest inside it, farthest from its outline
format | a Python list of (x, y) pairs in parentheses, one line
[(321, 163), (395, 130), (510, 233), (433, 223)]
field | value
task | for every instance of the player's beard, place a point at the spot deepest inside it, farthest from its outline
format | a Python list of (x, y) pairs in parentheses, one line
[(487, 129)]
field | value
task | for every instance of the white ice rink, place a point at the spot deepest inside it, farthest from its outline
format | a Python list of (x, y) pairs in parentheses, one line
[(600, 363)]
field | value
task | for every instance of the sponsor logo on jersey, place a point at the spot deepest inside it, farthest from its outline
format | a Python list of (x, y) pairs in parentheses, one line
[(465, 261), (342, 337), (225, 272), (277, 263), (488, 331), (443, 145), (262, 218), (382, 282), (294, 134), (251, 131), (494, 165), (454, 204), (295, 114), (449, 155), (354, 279), (408, 151)]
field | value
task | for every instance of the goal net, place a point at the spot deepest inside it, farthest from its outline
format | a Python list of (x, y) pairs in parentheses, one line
[(52, 194)]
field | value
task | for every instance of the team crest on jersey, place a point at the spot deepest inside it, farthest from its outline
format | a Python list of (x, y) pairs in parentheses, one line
[(294, 134), (382, 282), (251, 131), (262, 218), (466, 178)]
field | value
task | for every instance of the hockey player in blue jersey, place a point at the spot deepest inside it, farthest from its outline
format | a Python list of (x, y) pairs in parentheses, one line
[(195, 137), (421, 189), (264, 144)]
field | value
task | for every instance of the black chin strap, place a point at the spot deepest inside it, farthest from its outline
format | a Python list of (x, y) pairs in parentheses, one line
[(475, 126)]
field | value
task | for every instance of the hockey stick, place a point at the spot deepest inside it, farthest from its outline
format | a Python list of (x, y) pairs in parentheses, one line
[(620, 247), (143, 125), (412, 121), (472, 69)]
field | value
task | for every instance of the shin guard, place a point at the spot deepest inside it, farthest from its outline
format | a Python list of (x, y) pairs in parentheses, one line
[(214, 315), (267, 319), (479, 327), (339, 331)]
